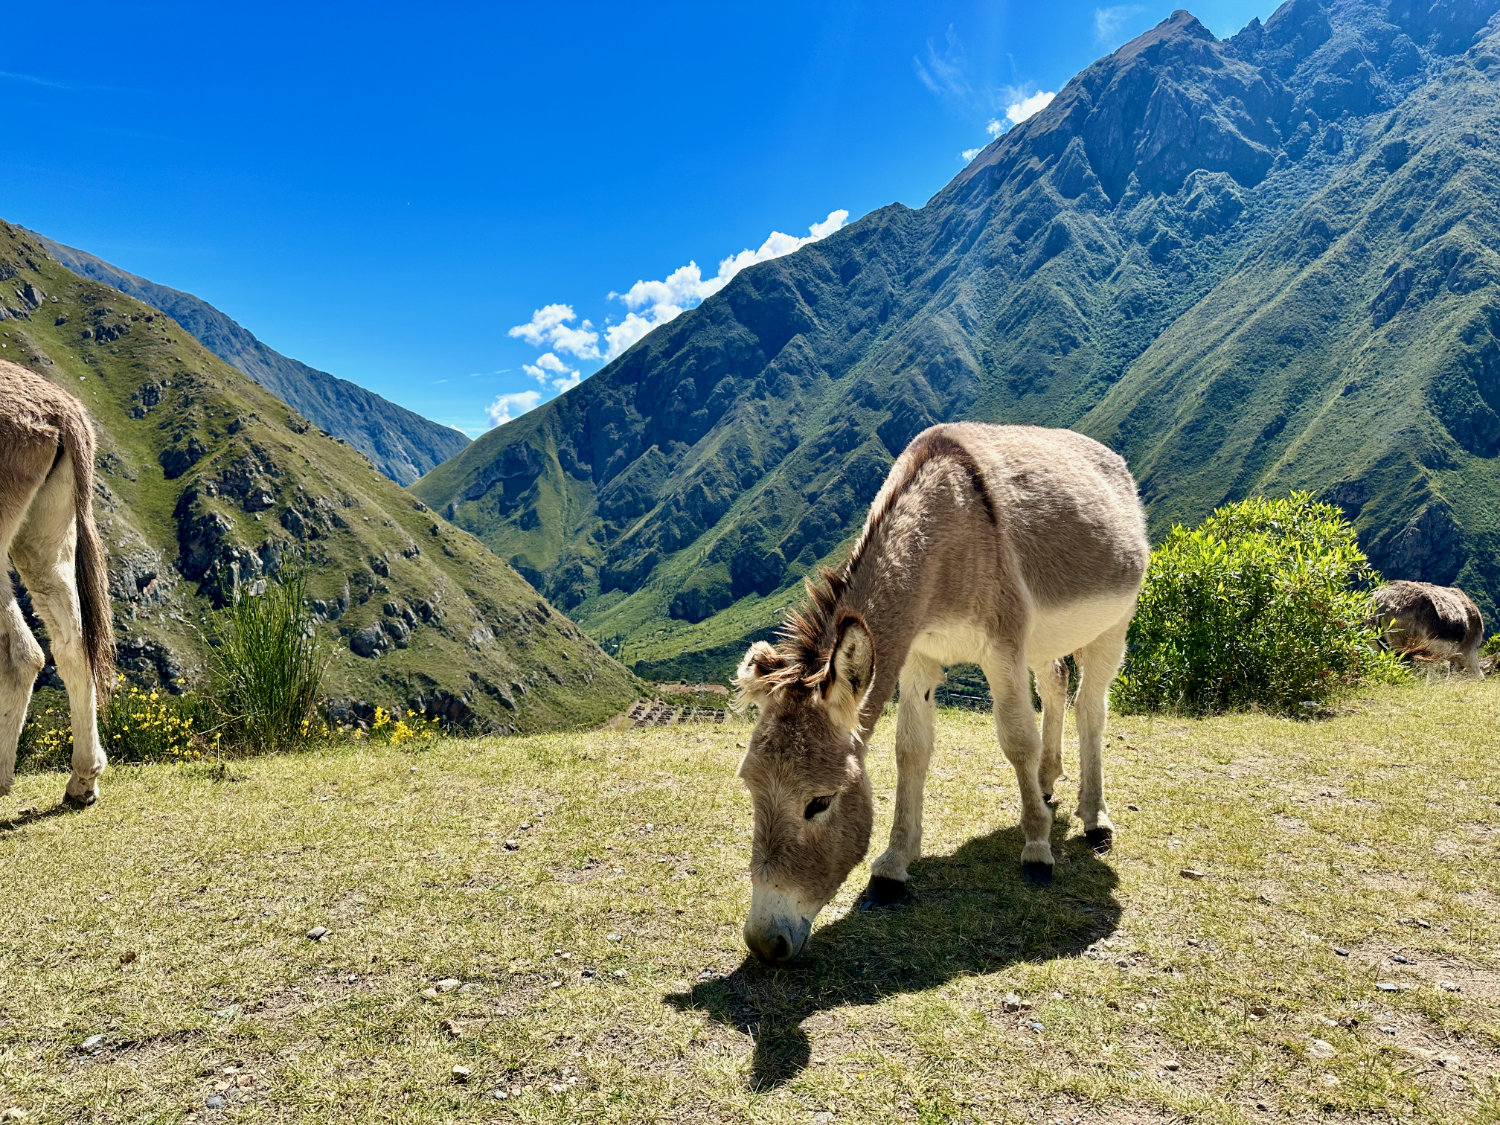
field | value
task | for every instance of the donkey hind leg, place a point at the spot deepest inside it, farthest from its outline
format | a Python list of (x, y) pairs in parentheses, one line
[(47, 566), (915, 719), (1052, 686), (1098, 663), (1471, 661), (1010, 687), (20, 661)]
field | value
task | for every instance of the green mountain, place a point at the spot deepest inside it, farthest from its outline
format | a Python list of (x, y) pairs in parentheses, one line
[(1248, 264), (400, 443), (206, 479)]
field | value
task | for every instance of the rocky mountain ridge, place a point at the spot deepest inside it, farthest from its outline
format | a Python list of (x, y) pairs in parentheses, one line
[(1249, 264)]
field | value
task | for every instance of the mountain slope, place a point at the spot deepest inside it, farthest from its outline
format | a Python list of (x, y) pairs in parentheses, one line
[(1247, 264), (400, 443), (206, 479)]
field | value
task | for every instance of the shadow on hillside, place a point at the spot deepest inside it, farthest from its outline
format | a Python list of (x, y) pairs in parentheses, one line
[(970, 914)]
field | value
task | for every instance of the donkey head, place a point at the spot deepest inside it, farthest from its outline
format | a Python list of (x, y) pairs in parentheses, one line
[(806, 775)]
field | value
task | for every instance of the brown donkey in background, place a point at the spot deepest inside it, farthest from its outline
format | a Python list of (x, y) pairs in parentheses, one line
[(47, 532), (1007, 546)]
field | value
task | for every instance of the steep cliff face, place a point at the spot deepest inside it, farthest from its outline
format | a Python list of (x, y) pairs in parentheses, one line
[(400, 443), (207, 480), (1249, 264)]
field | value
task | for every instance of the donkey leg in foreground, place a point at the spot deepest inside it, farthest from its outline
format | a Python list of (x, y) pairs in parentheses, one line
[(45, 556), (1010, 688), (20, 660), (1052, 687), (1098, 663), (47, 530), (916, 721)]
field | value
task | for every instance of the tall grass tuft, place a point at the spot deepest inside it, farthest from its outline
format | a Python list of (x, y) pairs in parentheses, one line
[(266, 667)]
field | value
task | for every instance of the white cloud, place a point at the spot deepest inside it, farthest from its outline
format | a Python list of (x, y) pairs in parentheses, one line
[(969, 154), (943, 72), (1108, 22), (549, 370), (1019, 110), (506, 407), (648, 304), (655, 302), (550, 326), (994, 128)]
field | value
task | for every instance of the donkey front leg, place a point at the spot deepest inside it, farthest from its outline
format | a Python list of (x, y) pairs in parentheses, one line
[(1098, 663), (914, 740), (1052, 686), (20, 661), (1010, 687)]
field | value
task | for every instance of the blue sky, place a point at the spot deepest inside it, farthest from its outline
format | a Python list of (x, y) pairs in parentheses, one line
[(393, 192)]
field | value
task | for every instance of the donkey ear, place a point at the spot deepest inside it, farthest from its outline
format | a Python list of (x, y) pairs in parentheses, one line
[(851, 669), (753, 675)]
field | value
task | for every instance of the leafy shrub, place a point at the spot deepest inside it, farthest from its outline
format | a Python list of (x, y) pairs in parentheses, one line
[(266, 667), (1265, 605)]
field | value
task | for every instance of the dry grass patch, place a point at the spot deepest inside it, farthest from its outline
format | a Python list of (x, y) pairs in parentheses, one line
[(560, 915)]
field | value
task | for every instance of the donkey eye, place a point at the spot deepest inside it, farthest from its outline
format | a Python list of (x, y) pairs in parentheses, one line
[(816, 805)]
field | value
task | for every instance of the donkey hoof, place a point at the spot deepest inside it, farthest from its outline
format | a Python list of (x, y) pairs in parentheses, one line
[(80, 802), (1100, 839), (883, 892), (1049, 799), (1037, 874)]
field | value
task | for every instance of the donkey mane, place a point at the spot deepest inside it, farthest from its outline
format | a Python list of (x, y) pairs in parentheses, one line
[(806, 639)]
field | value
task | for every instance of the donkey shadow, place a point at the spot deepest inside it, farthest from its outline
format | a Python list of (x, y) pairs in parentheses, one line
[(23, 817), (969, 913)]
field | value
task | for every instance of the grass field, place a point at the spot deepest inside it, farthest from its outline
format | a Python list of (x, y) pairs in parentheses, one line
[(560, 915)]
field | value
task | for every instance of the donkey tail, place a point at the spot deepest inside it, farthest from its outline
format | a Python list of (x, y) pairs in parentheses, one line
[(90, 567)]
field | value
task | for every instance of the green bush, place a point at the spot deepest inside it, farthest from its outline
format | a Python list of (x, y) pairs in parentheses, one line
[(266, 668), (1265, 605)]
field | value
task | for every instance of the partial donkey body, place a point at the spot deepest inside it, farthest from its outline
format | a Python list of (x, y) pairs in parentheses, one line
[(47, 532), (1006, 546), (1421, 617)]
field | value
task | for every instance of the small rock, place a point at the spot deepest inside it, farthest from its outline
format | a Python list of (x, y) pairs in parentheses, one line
[(1172, 1064), (244, 1081), (512, 845), (1037, 1025), (1010, 1002), (1331, 1081), (468, 988), (555, 984), (447, 984), (1340, 951), (92, 1043), (216, 1101), (317, 933), (14, 1113), (619, 974), (1449, 986), (1263, 1107), (1112, 1005), (1134, 808), (1192, 873), (1386, 1029), (1448, 1062), (460, 1074), (526, 827), (128, 957), (452, 1029), (1388, 986), (1259, 1011), (1400, 960), (429, 994), (1320, 1049), (611, 937)]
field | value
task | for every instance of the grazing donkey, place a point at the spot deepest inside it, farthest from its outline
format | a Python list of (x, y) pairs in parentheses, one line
[(1421, 617), (1008, 546), (47, 531)]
